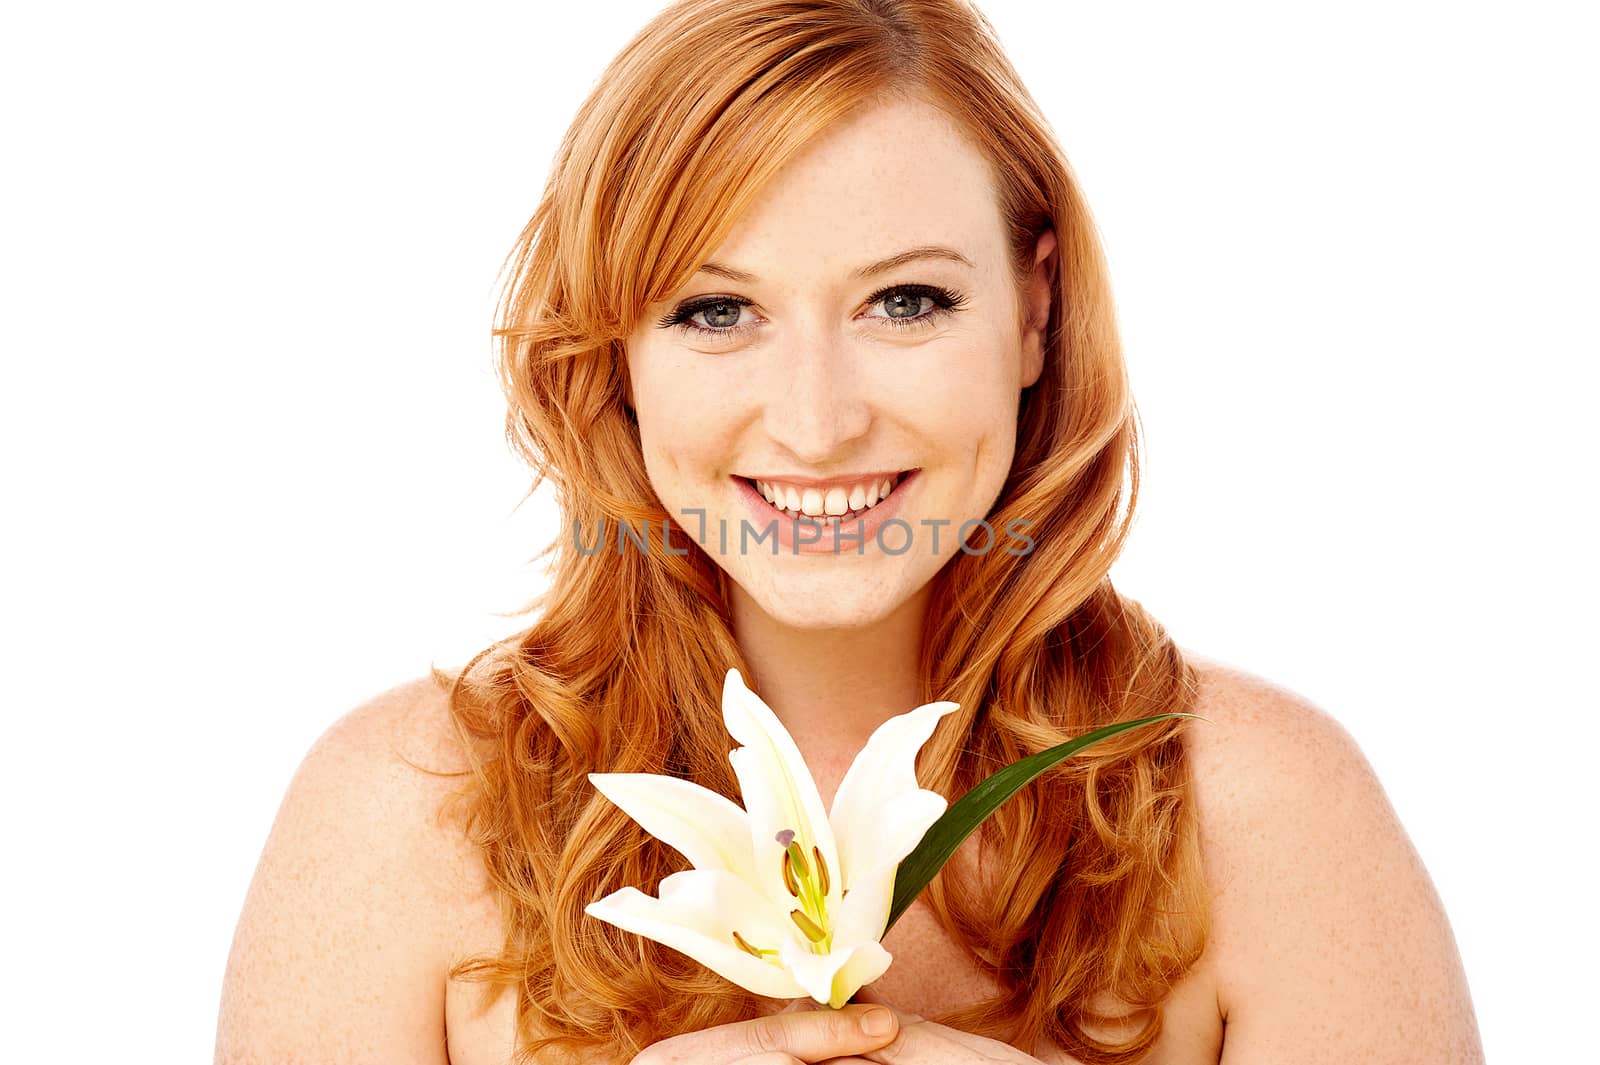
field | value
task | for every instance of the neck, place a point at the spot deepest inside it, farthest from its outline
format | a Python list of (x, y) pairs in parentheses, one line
[(832, 687)]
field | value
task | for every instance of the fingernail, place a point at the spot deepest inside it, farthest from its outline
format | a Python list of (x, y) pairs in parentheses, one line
[(877, 1022)]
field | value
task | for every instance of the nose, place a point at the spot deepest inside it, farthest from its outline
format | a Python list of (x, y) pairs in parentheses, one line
[(818, 401)]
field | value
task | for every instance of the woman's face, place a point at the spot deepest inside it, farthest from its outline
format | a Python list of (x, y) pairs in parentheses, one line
[(797, 365)]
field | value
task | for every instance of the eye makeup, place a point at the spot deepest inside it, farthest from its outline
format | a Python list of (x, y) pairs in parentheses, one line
[(945, 302)]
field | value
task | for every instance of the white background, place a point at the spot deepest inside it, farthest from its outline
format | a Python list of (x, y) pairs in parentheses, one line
[(255, 473)]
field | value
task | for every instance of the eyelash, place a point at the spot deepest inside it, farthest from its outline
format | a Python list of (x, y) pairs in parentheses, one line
[(944, 302)]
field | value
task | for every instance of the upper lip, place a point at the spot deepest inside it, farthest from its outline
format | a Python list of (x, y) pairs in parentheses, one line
[(824, 482)]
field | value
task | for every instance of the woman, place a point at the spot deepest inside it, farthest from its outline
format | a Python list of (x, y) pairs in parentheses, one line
[(825, 259)]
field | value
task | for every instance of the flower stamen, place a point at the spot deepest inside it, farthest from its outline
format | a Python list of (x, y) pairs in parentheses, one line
[(796, 855), (745, 946), (810, 888), (811, 929)]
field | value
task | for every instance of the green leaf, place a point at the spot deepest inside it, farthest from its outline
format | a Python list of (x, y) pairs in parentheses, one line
[(972, 809)]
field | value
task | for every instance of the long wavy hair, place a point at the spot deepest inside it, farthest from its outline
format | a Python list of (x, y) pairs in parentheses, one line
[(1100, 890)]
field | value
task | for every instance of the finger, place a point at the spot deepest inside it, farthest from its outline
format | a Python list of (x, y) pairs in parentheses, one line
[(771, 1057), (927, 1042), (814, 1034)]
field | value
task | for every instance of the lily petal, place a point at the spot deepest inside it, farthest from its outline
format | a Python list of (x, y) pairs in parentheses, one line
[(867, 962), (864, 912), (706, 828), (697, 913), (833, 978), (777, 787), (879, 812)]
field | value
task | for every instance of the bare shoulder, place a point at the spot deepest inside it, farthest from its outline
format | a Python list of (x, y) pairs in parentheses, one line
[(341, 946), (1329, 942), (1256, 730), (410, 719), (389, 765)]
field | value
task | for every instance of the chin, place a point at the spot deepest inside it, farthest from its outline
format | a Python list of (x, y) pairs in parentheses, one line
[(822, 604), (830, 616)]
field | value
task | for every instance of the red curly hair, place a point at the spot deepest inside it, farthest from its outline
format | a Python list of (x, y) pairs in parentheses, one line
[(1101, 889)]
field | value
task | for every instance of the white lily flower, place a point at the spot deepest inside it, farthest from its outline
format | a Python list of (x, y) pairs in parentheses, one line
[(782, 900)]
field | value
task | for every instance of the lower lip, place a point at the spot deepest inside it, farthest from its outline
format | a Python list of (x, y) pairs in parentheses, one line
[(795, 534)]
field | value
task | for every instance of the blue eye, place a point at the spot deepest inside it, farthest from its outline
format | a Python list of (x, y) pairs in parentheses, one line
[(725, 307)]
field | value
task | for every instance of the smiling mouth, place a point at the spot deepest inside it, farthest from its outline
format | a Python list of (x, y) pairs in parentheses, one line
[(841, 502)]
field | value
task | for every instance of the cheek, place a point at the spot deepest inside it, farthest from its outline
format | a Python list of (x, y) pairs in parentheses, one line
[(683, 421), (660, 413), (971, 401)]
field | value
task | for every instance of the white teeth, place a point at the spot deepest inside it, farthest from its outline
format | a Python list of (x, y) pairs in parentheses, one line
[(834, 501)]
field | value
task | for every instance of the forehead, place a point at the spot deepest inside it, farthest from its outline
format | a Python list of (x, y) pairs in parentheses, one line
[(890, 176)]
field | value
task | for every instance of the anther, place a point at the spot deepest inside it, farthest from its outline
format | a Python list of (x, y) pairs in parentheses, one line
[(799, 858), (744, 946), (811, 929), (788, 876), (822, 869)]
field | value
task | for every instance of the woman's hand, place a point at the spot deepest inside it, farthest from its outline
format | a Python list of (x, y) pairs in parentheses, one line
[(922, 1042), (799, 1034)]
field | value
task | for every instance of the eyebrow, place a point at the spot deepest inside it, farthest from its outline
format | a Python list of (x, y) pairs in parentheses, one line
[(923, 251)]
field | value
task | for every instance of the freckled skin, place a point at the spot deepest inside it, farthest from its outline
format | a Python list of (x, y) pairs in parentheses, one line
[(823, 382), (1329, 943)]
